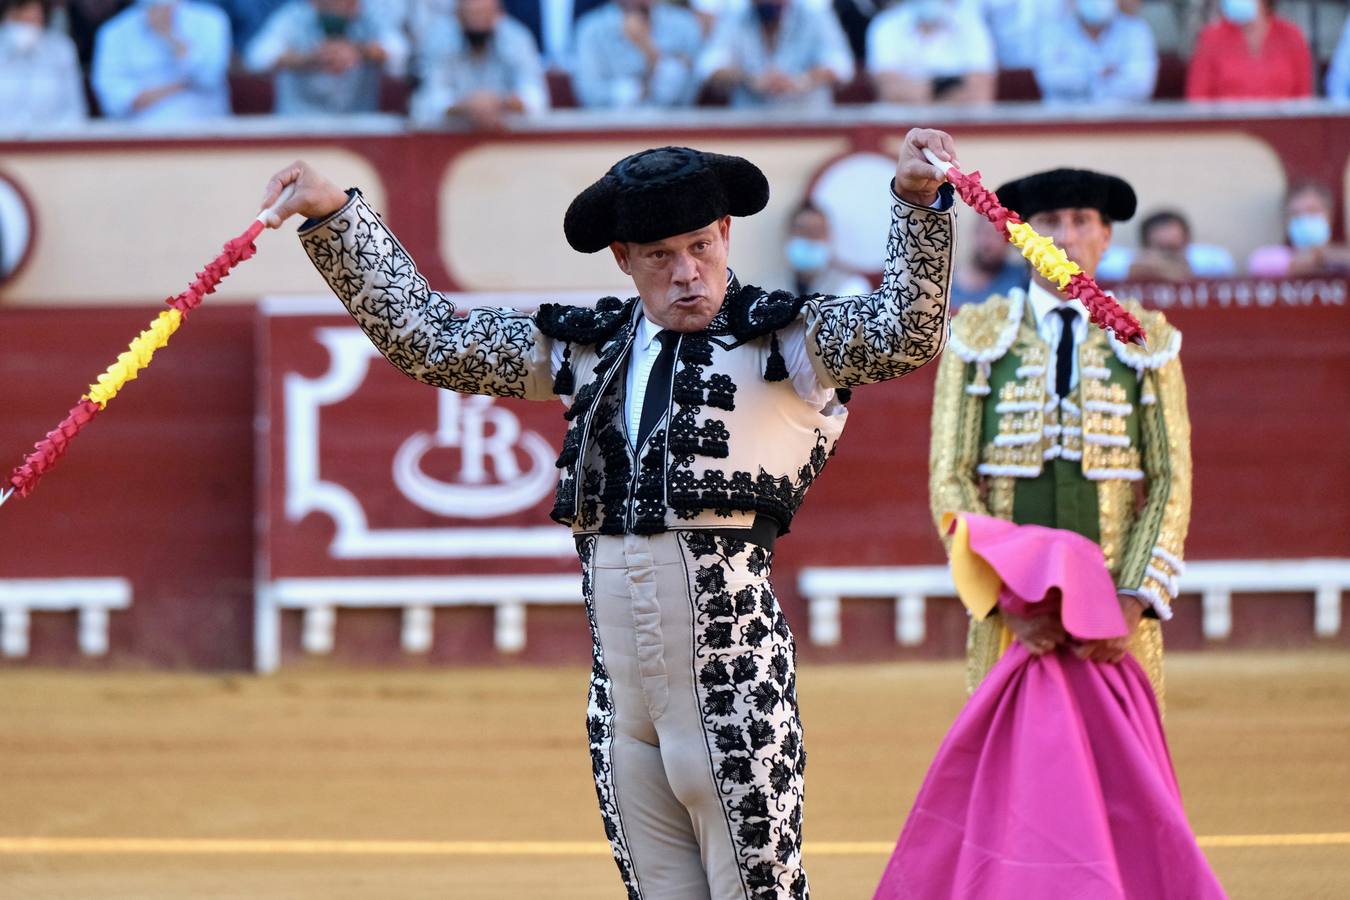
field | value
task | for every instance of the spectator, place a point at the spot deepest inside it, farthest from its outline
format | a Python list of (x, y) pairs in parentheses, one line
[(927, 51), (637, 53), (1338, 74), (327, 57), (1097, 54), (1166, 254), (1249, 54), (1017, 26), (810, 255), (778, 53), (163, 61), (553, 24), (1309, 250), (40, 79), (994, 269), (486, 68)]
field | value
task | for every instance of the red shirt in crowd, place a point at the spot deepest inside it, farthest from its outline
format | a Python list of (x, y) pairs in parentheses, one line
[(1224, 68)]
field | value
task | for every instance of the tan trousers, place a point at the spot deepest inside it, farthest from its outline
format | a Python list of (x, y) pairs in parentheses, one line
[(694, 734)]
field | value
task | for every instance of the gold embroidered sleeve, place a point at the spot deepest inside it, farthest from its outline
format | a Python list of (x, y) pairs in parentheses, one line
[(1152, 562), (489, 351), (954, 451)]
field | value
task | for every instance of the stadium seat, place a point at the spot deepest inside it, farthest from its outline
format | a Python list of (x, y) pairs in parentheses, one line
[(858, 90), (561, 95), (251, 94), (1171, 77), (1017, 85), (395, 95)]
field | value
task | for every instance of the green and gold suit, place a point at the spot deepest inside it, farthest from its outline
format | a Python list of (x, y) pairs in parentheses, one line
[(1110, 461)]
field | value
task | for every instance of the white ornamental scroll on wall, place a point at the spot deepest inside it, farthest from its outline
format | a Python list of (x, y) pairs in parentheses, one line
[(503, 469), (490, 481)]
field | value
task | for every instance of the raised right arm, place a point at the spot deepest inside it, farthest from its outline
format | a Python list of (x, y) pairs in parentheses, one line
[(490, 351)]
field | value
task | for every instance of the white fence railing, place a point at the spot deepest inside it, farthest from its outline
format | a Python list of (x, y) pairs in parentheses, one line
[(826, 587), (320, 598), (93, 598)]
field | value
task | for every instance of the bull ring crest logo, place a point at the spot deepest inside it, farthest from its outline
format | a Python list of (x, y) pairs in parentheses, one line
[(502, 468), (481, 432)]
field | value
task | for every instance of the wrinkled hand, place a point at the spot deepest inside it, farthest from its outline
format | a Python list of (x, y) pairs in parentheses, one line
[(314, 196), (916, 179), (1112, 650), (776, 83), (338, 56), (1039, 633), (485, 109)]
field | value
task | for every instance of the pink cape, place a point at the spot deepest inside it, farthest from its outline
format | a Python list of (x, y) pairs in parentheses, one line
[(1055, 780)]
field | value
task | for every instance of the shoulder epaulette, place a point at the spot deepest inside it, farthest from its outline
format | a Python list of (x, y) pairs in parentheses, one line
[(1164, 340), (584, 324), (752, 312), (983, 332)]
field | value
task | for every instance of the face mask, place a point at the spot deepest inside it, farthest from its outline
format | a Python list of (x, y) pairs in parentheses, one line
[(150, 4), (1096, 13), (929, 12), (333, 26), (769, 13), (1309, 231), (476, 40), (806, 255), (23, 36), (1239, 12)]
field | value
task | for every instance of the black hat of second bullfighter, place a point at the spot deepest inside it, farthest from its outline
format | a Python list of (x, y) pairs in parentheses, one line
[(660, 193), (1069, 189)]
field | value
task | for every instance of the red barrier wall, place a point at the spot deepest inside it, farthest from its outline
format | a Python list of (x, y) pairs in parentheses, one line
[(161, 488)]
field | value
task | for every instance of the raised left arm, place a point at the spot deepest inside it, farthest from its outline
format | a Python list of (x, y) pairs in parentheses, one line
[(898, 327)]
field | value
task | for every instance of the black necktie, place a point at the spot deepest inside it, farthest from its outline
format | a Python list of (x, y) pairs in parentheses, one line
[(1064, 355), (658, 385)]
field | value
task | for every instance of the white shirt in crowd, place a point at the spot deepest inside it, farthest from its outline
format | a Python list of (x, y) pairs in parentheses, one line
[(40, 80), (960, 44), (130, 58)]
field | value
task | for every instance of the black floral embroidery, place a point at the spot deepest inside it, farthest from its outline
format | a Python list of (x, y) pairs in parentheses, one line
[(746, 686), (903, 324), (600, 731), (486, 352)]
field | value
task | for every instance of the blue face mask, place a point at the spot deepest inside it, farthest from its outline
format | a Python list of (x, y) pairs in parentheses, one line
[(806, 255), (1309, 231), (1239, 12), (1096, 13), (929, 12)]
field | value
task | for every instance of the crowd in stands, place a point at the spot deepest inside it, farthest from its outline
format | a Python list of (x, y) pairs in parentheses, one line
[(481, 62)]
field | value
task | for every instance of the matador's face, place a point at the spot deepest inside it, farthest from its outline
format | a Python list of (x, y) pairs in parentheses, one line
[(682, 280), (1082, 232)]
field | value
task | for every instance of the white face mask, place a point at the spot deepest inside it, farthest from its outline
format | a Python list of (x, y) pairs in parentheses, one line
[(23, 36), (1239, 12)]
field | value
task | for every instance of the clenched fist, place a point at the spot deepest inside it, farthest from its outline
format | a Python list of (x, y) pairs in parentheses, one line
[(314, 196), (916, 179)]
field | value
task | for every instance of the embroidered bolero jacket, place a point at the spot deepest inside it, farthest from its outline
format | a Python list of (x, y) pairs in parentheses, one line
[(736, 440)]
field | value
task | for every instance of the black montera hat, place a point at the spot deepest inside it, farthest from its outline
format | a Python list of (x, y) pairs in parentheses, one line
[(1069, 189), (663, 192)]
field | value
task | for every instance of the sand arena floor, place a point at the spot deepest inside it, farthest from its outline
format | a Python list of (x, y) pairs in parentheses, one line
[(475, 783)]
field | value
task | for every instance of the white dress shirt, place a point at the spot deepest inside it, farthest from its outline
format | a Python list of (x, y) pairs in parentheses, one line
[(646, 348), (1044, 304)]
